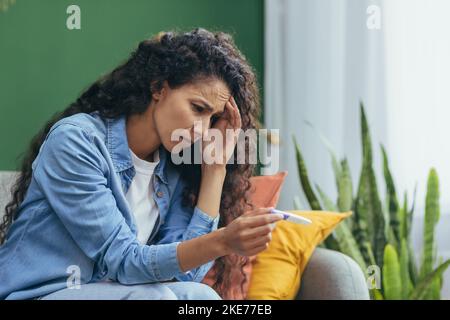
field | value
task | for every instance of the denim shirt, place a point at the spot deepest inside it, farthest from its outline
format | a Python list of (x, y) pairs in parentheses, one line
[(75, 225)]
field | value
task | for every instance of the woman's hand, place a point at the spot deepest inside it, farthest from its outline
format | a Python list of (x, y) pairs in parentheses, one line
[(250, 233), (218, 155), (214, 172), (247, 236)]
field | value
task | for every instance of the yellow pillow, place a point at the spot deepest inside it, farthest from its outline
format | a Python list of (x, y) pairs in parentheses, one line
[(277, 270)]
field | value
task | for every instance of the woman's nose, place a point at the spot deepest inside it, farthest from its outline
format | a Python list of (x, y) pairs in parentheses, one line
[(198, 131), (201, 128), (205, 126)]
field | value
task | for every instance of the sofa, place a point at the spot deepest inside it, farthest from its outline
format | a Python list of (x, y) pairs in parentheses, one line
[(329, 275)]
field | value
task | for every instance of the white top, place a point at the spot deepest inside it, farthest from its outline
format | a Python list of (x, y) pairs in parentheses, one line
[(140, 197)]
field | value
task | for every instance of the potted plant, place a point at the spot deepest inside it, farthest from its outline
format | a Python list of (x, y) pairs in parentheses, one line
[(378, 235)]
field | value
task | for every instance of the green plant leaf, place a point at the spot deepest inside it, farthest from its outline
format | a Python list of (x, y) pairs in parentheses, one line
[(410, 213), (330, 242), (343, 181), (345, 188), (341, 173), (391, 197), (421, 290), (405, 229), (435, 288), (392, 285), (407, 285), (304, 179), (348, 245), (369, 216), (377, 295), (403, 217), (441, 278), (326, 201), (431, 218), (335, 163), (413, 273), (342, 234), (391, 239), (314, 203)]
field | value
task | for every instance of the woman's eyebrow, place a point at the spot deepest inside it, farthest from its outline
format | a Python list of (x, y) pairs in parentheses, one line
[(206, 105)]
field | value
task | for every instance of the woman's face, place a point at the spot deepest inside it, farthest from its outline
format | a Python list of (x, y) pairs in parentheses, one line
[(198, 103)]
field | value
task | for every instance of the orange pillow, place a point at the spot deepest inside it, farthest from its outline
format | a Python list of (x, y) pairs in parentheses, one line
[(265, 192)]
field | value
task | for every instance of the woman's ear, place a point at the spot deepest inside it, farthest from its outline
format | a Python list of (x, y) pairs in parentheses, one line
[(158, 93), (156, 96)]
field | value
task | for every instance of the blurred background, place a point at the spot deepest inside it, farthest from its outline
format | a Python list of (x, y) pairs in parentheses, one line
[(323, 57), (316, 60), (44, 66)]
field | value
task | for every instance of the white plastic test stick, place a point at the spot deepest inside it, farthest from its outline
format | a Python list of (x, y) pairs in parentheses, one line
[(292, 217)]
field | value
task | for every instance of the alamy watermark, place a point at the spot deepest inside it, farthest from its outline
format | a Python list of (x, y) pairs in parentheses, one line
[(373, 279), (73, 21), (74, 279), (218, 147), (373, 21)]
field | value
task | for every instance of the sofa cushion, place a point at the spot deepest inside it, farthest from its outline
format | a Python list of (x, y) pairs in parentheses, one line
[(265, 192), (277, 270)]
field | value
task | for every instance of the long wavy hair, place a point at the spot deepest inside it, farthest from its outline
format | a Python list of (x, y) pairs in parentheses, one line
[(178, 58)]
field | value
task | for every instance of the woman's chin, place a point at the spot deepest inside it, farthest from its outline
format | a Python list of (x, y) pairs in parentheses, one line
[(176, 147)]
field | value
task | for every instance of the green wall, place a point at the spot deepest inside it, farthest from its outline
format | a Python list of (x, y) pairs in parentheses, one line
[(44, 66)]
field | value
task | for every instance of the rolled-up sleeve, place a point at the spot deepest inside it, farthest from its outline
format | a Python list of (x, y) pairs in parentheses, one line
[(184, 223), (73, 175), (201, 223)]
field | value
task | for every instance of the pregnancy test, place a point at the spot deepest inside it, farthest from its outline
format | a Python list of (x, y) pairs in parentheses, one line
[(292, 217)]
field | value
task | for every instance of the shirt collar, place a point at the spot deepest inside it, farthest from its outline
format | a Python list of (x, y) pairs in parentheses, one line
[(117, 144)]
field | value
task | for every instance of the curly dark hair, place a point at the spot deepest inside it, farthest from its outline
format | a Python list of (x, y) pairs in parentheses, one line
[(178, 58)]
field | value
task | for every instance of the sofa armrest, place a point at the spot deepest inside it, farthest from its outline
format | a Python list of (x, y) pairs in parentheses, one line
[(7, 179), (331, 275)]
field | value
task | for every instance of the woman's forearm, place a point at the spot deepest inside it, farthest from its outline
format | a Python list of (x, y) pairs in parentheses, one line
[(198, 251), (211, 189)]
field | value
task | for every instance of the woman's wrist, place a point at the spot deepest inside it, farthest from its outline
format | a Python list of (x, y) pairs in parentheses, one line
[(200, 250), (223, 248), (214, 170)]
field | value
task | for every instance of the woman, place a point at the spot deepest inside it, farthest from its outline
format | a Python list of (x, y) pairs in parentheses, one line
[(100, 210)]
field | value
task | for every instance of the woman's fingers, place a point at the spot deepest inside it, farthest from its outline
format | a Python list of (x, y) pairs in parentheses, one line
[(233, 112), (226, 117), (235, 119), (229, 109), (257, 250), (257, 232), (260, 220), (237, 114), (257, 242), (251, 233)]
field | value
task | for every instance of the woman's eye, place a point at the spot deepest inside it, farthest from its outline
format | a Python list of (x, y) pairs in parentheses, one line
[(197, 108)]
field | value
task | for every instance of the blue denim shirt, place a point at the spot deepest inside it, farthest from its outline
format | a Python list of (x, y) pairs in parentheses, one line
[(75, 216)]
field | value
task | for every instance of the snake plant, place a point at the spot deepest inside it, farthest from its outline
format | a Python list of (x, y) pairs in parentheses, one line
[(379, 231)]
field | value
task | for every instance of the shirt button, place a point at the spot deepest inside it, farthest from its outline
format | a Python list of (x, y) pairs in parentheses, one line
[(159, 194)]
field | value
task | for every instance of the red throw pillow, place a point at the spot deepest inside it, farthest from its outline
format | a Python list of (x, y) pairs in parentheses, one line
[(265, 192)]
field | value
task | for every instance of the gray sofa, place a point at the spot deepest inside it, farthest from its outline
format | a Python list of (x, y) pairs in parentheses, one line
[(328, 275)]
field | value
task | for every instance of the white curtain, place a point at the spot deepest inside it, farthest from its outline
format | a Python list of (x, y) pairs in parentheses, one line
[(324, 56)]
